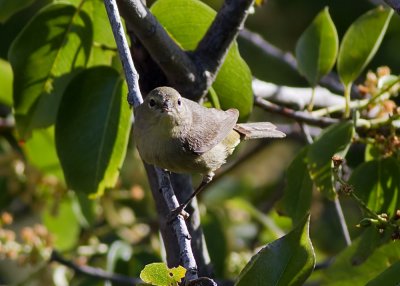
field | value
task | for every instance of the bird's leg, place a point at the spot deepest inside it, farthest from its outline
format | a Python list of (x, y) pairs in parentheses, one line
[(180, 210)]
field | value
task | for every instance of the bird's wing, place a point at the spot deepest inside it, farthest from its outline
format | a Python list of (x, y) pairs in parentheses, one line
[(209, 127)]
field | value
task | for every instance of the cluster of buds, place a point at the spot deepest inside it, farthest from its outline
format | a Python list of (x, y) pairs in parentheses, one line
[(35, 243), (383, 222), (371, 83), (389, 145), (376, 83)]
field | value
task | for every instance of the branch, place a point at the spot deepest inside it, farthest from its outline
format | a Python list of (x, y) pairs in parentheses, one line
[(94, 272), (162, 178), (193, 74), (394, 4), (269, 49), (299, 116), (175, 63), (214, 46), (164, 187), (330, 81), (297, 96), (132, 78)]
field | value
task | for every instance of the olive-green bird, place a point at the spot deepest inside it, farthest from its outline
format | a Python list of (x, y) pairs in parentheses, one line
[(180, 135)]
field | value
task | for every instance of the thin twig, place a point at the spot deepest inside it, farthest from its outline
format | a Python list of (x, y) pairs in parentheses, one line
[(299, 116), (94, 272), (269, 49), (342, 221), (394, 4)]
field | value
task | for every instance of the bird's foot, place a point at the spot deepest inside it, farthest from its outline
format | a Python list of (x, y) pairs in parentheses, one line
[(178, 211)]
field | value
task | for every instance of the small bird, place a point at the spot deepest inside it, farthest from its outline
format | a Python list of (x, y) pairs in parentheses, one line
[(180, 135)]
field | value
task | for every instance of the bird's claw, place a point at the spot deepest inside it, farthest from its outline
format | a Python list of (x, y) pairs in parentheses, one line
[(178, 211)]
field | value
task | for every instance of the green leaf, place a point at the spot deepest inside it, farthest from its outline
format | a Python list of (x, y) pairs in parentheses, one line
[(335, 140), (361, 42), (344, 272), (297, 194), (6, 79), (317, 48), (370, 240), (389, 277), (10, 7), (377, 183), (92, 130), (187, 22), (286, 261), (48, 52), (62, 223), (41, 151), (104, 46), (159, 274)]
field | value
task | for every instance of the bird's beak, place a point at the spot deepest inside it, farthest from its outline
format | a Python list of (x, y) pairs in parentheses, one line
[(166, 106)]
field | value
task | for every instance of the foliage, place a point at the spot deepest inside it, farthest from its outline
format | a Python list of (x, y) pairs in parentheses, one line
[(66, 141), (159, 274)]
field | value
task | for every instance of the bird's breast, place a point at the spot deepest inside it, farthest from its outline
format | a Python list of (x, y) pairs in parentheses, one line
[(168, 152)]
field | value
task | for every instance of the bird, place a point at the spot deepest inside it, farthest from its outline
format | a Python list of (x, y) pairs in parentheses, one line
[(182, 136)]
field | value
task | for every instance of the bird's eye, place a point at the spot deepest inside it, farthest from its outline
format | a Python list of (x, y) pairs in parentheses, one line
[(152, 103), (179, 102)]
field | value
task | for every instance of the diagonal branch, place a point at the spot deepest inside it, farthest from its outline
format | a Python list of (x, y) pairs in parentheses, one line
[(330, 81), (214, 46), (175, 63), (191, 74), (299, 116), (94, 272), (394, 4)]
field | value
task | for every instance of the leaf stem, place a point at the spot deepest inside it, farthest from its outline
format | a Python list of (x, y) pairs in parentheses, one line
[(339, 107), (311, 104), (347, 91)]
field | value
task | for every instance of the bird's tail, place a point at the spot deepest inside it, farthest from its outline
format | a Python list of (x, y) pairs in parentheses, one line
[(258, 130)]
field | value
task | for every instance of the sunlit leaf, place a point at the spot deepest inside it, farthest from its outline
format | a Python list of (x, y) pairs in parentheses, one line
[(390, 276), (41, 151), (286, 261), (317, 48), (188, 21), (361, 42), (48, 52), (104, 47), (6, 79), (344, 272), (92, 130), (335, 140), (159, 274)]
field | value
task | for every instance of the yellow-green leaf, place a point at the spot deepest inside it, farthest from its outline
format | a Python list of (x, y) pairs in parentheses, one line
[(158, 274), (361, 42)]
